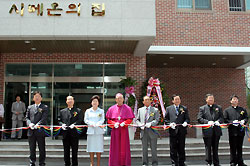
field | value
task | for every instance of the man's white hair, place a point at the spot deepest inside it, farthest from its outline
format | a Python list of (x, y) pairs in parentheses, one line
[(118, 94)]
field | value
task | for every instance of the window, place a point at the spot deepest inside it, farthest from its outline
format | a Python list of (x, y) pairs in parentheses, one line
[(17, 70), (239, 5), (114, 70), (236, 5), (39, 70), (194, 4), (79, 70)]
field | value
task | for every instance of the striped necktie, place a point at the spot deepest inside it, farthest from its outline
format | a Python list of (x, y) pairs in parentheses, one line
[(147, 115), (177, 110)]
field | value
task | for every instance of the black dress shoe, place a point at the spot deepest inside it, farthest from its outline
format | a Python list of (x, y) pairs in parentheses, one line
[(182, 165), (243, 164)]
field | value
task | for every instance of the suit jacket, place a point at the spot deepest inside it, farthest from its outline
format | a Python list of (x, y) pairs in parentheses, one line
[(204, 116), (171, 116), (153, 118), (231, 114), (21, 109), (68, 117), (94, 117), (1, 110), (37, 116)]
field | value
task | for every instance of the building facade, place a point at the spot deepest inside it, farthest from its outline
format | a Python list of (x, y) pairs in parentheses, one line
[(85, 47)]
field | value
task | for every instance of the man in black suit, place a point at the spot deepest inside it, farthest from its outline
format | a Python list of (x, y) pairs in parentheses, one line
[(36, 115), (212, 115), (69, 117), (178, 118), (237, 117)]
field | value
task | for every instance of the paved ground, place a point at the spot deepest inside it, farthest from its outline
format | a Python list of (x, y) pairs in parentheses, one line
[(134, 163)]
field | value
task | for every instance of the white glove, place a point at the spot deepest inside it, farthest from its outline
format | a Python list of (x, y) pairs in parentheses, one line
[(148, 125), (92, 124), (217, 123), (211, 123), (142, 127), (72, 126), (122, 124), (31, 125), (64, 127), (116, 125), (242, 122), (236, 123), (184, 124), (36, 126), (172, 125)]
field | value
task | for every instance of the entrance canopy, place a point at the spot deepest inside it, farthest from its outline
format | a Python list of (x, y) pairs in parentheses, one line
[(198, 56)]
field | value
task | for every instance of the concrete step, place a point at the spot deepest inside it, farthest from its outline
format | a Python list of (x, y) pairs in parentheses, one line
[(19, 150)]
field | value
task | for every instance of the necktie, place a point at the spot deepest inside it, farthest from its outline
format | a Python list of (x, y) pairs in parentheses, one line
[(147, 115), (177, 110), (36, 106)]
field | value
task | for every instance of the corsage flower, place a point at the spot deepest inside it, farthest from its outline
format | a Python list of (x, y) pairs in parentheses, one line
[(182, 110), (75, 113), (40, 110), (217, 110), (242, 112)]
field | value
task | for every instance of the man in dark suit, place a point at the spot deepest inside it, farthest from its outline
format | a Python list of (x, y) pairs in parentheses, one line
[(177, 117), (237, 117), (69, 117), (212, 115), (37, 115)]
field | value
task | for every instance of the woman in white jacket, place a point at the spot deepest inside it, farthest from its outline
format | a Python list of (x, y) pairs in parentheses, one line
[(94, 118)]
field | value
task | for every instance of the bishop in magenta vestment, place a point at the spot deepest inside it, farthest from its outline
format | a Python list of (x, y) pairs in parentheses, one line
[(119, 153)]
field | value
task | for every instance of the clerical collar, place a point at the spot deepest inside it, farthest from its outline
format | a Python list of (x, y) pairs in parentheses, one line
[(234, 107), (210, 105), (70, 108)]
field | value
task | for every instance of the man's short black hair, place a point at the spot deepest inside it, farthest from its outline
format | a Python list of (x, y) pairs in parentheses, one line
[(38, 92), (209, 94), (175, 95), (234, 96), (17, 95)]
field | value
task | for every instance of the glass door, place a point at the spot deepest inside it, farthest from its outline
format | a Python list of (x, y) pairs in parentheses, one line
[(82, 93), (12, 89), (46, 89)]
